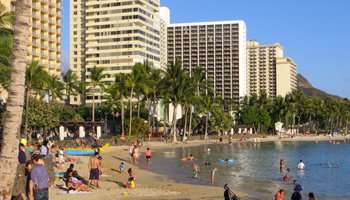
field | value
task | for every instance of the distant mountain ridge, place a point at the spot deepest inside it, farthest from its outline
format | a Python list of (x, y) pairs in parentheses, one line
[(306, 87)]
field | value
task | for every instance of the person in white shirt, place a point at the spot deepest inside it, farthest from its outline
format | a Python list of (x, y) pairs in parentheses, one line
[(301, 165)]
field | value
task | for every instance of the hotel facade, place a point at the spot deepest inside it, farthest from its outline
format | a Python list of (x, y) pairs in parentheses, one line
[(269, 71), (218, 47), (113, 35), (44, 41)]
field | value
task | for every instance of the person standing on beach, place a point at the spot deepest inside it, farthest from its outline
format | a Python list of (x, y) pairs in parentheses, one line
[(22, 157), (135, 155), (301, 165), (213, 175), (39, 182), (131, 150), (148, 155), (94, 166)]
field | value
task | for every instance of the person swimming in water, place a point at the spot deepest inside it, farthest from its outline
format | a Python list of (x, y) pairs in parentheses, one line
[(207, 163), (282, 163), (287, 176)]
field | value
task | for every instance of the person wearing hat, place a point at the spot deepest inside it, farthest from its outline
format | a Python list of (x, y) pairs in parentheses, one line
[(296, 195)]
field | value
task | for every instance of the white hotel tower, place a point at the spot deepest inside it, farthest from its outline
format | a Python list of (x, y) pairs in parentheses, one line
[(217, 47)]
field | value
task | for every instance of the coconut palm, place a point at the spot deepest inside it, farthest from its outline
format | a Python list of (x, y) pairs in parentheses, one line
[(34, 81), (6, 18), (69, 79), (82, 89), (96, 81), (177, 83), (131, 81), (155, 88), (15, 101), (53, 88), (117, 92), (208, 106)]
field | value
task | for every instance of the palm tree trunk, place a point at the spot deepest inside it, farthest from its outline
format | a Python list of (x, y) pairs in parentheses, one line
[(346, 126), (138, 106), (206, 126), (93, 108), (190, 123), (14, 107), (185, 126), (174, 123), (164, 120), (27, 115), (122, 113), (130, 113)]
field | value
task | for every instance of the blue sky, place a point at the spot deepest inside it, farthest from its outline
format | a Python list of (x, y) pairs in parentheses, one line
[(314, 33)]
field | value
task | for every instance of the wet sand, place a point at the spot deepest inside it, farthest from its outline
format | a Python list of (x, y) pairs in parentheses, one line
[(150, 185)]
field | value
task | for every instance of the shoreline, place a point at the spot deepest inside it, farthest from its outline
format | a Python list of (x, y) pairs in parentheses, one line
[(151, 185)]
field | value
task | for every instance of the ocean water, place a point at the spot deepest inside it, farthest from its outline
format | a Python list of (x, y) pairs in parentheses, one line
[(256, 167)]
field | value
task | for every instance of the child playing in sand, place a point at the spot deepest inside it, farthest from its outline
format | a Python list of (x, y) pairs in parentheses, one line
[(121, 167), (130, 183)]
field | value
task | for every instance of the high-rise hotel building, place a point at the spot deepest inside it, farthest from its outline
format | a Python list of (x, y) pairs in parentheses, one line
[(114, 35), (44, 41), (218, 47), (269, 71)]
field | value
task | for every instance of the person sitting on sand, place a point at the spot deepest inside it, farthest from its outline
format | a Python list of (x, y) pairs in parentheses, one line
[(227, 161), (286, 177), (80, 178), (76, 185), (130, 183), (280, 195), (190, 157), (195, 169), (70, 169)]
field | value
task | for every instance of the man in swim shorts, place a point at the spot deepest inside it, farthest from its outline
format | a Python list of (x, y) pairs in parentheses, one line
[(94, 166), (195, 170)]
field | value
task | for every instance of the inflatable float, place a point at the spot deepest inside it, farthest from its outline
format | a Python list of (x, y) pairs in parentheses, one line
[(231, 161), (59, 174), (79, 151)]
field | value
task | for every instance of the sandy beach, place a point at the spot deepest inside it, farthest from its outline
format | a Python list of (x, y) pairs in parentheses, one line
[(150, 185)]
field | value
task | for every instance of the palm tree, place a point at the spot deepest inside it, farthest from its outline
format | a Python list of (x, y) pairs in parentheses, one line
[(177, 84), (154, 90), (117, 92), (14, 107), (96, 81), (69, 79), (207, 106), (6, 40), (131, 81), (53, 88), (33, 81), (82, 89)]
